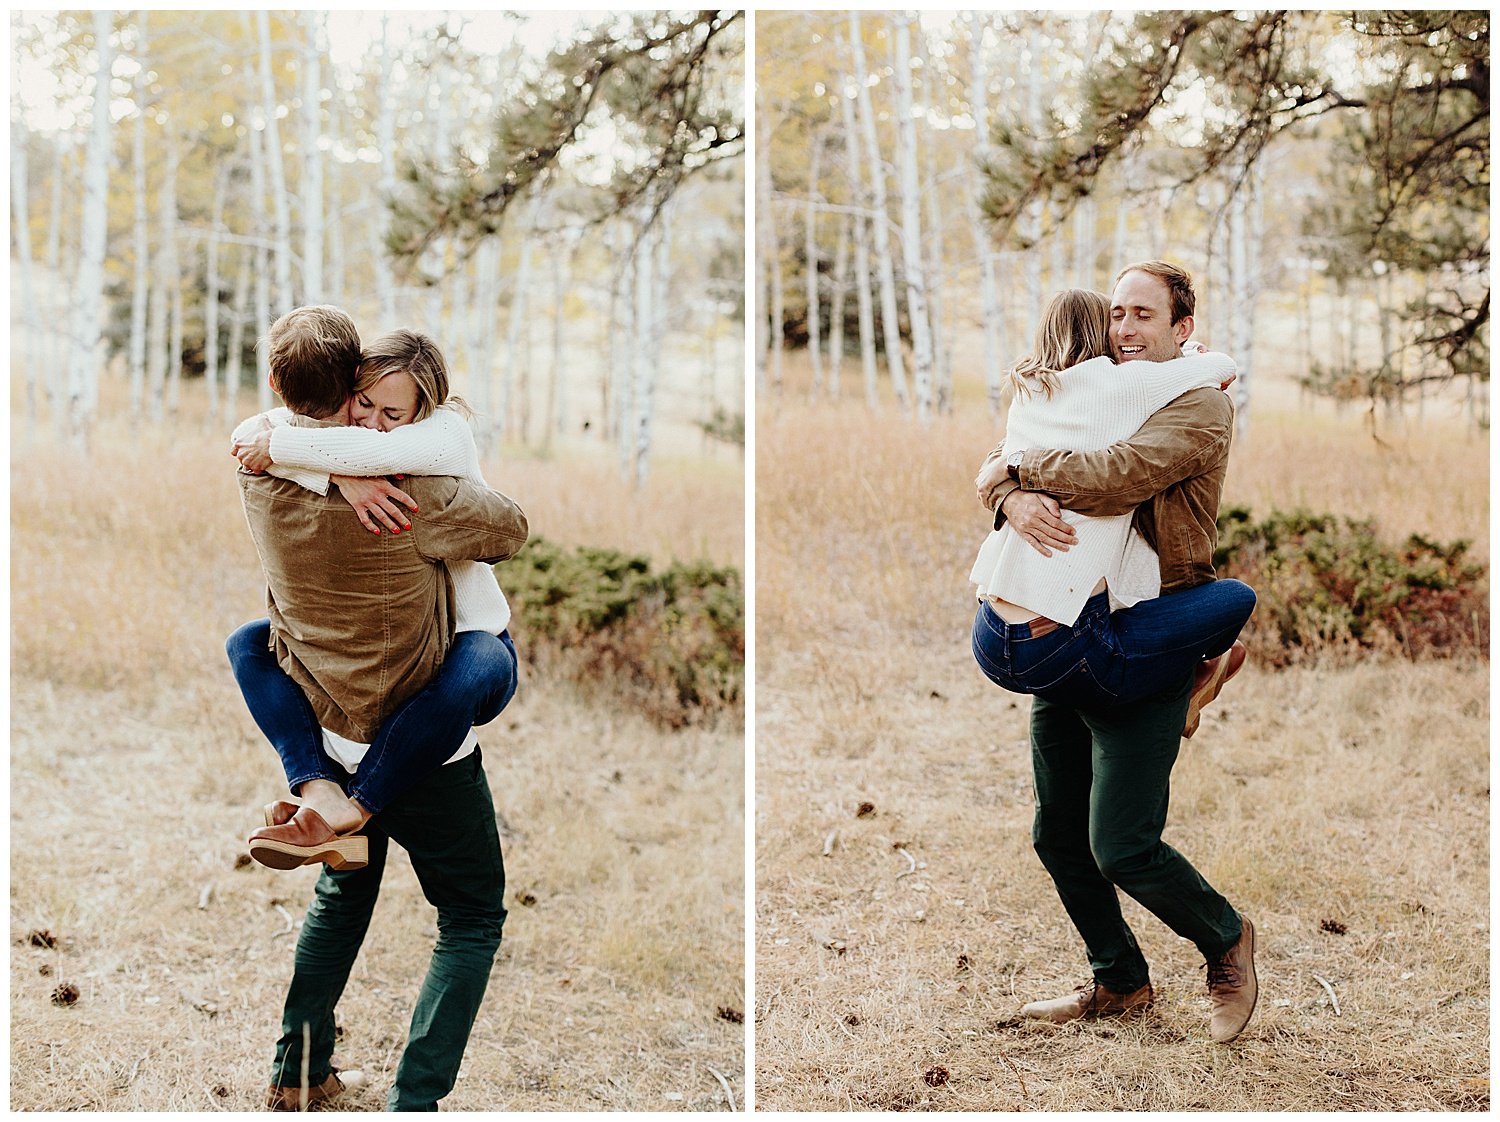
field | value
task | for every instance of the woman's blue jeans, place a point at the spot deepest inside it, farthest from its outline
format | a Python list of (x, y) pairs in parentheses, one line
[(1113, 658), (475, 682)]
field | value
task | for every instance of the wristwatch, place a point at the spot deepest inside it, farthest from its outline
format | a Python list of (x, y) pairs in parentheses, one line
[(1013, 465)]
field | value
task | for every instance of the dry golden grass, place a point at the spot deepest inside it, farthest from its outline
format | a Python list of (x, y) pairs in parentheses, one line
[(1356, 794), (136, 773)]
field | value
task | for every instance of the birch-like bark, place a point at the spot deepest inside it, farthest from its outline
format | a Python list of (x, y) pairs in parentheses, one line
[(140, 290), (836, 307), (933, 243), (281, 208), (486, 297), (518, 332), (171, 269), (767, 335), (385, 132), (984, 251), (313, 291), (889, 317), (233, 366), (56, 349), (651, 302), (562, 283), (861, 249), (1029, 225), (32, 323), (1245, 233), (810, 256), (88, 290), (911, 224), (211, 294)]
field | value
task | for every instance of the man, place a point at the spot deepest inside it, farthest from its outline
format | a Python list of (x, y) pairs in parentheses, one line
[(1102, 776), (362, 622)]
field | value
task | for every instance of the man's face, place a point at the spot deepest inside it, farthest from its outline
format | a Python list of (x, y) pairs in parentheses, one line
[(1140, 321)]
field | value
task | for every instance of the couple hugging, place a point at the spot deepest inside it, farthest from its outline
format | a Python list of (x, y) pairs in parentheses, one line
[(1097, 596), (386, 643)]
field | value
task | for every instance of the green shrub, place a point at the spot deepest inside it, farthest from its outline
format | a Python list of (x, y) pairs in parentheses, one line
[(1327, 583), (672, 643)]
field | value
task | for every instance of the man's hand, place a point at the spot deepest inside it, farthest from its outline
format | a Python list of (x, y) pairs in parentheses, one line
[(1038, 519), (254, 455), (373, 500)]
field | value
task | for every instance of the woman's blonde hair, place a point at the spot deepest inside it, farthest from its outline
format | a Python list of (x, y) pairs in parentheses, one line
[(1074, 328), (417, 355)]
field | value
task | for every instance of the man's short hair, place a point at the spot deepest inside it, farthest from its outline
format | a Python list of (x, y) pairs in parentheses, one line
[(313, 357), (1179, 285)]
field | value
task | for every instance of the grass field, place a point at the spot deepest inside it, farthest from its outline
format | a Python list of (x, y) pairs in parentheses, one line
[(901, 916), (136, 773)]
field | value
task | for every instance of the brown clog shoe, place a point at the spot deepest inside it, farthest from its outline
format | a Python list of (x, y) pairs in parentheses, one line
[(1225, 667), (294, 1098), (281, 811), (306, 840)]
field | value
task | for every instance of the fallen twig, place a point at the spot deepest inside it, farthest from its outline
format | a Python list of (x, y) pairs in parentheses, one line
[(832, 837), (723, 1082), (912, 861), (1333, 997), (286, 915), (205, 895), (1017, 1070)]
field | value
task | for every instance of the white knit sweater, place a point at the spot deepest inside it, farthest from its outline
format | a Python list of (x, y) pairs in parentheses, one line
[(440, 444), (1097, 404)]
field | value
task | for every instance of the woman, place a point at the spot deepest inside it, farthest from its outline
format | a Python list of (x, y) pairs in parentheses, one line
[(403, 421), (1088, 627)]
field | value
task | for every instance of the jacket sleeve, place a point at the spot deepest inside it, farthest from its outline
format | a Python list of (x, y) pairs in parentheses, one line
[(437, 445), (1179, 441), (316, 481), (461, 521)]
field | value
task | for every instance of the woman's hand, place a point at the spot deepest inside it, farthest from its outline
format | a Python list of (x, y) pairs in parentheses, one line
[(990, 476), (374, 500), (255, 455)]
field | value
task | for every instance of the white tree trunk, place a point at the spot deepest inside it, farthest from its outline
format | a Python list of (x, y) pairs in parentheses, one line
[(1030, 224), (211, 294), (836, 307), (810, 254), (890, 322), (651, 303), (286, 299), (486, 299), (56, 349), (140, 290), (518, 332), (233, 366), (1246, 224), (562, 283), (861, 249), (933, 242), (171, 269), (911, 223), (336, 259), (385, 131), (989, 309), (88, 290), (312, 166), (32, 323), (767, 331)]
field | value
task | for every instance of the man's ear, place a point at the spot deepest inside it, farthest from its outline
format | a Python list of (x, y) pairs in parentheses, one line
[(1182, 330), (271, 381)]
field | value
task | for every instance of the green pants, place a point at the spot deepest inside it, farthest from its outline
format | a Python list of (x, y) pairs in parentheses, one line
[(1102, 783), (446, 824)]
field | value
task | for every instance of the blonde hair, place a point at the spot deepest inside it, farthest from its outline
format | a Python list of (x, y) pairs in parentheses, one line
[(1074, 328), (313, 355), (417, 355)]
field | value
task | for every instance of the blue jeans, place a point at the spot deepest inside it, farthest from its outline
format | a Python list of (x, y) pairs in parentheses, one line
[(1114, 658), (475, 682)]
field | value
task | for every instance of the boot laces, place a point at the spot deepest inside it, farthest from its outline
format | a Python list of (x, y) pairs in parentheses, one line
[(1221, 972)]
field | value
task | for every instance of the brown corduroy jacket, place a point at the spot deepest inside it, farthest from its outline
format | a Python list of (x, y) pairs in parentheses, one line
[(1171, 473), (362, 621)]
